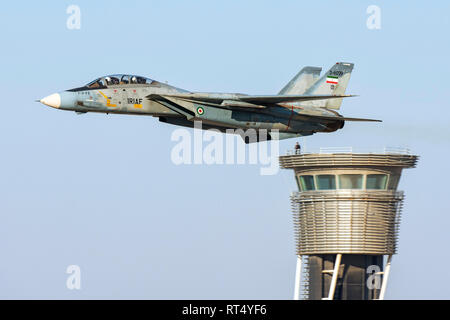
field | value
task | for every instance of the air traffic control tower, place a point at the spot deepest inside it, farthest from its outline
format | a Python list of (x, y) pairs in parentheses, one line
[(346, 221)]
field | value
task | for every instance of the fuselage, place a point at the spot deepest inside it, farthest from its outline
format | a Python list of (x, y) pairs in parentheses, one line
[(128, 94)]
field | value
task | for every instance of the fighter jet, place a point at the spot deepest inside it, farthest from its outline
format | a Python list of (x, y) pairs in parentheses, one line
[(306, 105)]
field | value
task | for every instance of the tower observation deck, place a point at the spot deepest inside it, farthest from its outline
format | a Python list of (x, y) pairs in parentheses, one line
[(346, 220)]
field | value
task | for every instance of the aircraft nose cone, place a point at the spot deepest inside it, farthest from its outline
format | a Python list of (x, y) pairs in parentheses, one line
[(53, 100)]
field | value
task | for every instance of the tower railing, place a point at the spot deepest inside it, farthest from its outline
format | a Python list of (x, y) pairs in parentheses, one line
[(331, 150)]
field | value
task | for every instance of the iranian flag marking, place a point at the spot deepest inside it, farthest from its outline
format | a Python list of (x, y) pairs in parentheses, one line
[(332, 79)]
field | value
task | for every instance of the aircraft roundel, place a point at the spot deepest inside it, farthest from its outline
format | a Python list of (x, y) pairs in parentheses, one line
[(200, 110)]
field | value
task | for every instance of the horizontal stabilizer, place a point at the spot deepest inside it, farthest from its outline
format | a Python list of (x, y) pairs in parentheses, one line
[(289, 98), (339, 118), (360, 119)]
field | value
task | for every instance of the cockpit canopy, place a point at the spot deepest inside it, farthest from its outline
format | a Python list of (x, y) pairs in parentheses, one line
[(118, 79)]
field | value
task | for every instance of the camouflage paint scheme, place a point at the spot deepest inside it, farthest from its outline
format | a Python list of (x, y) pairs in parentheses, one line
[(306, 105)]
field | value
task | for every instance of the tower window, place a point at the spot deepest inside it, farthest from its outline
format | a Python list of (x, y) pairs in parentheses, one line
[(350, 181), (307, 183), (325, 182), (376, 181)]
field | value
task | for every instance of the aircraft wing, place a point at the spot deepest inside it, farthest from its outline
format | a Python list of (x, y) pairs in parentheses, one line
[(182, 106), (243, 101), (172, 104)]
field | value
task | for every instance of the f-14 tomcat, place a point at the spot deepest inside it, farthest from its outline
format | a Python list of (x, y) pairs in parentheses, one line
[(306, 105)]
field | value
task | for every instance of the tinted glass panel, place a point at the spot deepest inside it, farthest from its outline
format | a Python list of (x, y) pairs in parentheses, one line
[(376, 181), (393, 181), (97, 83), (116, 79), (307, 183), (111, 80), (125, 79), (133, 80), (350, 181), (325, 182)]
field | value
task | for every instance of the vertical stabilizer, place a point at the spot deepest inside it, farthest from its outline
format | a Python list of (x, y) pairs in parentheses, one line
[(334, 81), (302, 81)]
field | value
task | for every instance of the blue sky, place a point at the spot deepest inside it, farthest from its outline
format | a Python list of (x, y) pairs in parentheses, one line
[(101, 192)]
